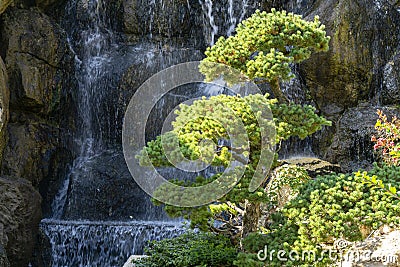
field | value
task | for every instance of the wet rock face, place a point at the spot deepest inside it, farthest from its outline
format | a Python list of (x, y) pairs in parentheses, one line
[(364, 37), (103, 189), (20, 214), (340, 63), (4, 101), (47, 5), (390, 93), (361, 66), (194, 22), (3, 258), (4, 4), (352, 147), (168, 19), (58, 167), (43, 251)]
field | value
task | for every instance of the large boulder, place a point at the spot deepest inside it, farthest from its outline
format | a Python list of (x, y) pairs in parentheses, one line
[(379, 250), (313, 166), (20, 214), (40, 66), (29, 150), (36, 55)]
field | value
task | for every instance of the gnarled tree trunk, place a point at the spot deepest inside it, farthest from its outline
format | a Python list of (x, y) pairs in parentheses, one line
[(276, 89), (251, 218)]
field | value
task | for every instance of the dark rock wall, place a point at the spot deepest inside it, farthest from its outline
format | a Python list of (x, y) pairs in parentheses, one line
[(19, 218), (4, 105), (38, 64), (36, 88), (3, 258), (364, 37), (351, 145)]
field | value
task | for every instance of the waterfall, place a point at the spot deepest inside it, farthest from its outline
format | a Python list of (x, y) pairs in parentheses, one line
[(295, 89), (232, 19), (91, 44), (57, 207), (82, 230), (91, 243)]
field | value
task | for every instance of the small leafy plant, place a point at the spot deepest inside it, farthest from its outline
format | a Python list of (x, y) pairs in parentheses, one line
[(373, 181), (190, 249), (388, 138)]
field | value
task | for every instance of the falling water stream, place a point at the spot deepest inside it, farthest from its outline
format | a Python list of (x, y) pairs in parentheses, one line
[(221, 17), (76, 240)]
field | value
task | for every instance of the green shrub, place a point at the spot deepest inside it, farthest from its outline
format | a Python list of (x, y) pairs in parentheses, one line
[(326, 209), (190, 249), (284, 185)]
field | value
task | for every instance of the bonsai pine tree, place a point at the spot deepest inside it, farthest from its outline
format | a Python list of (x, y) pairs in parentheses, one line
[(204, 119), (262, 49), (265, 44)]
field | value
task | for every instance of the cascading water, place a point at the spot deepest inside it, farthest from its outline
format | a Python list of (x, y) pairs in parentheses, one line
[(88, 243), (207, 6), (79, 233), (232, 19)]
